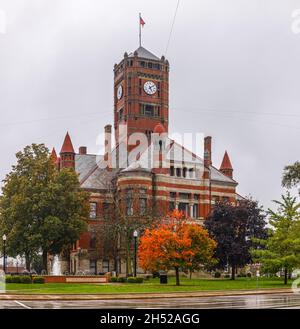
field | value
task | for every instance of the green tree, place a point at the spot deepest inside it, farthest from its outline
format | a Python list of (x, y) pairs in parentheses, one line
[(42, 209), (282, 247), (291, 175)]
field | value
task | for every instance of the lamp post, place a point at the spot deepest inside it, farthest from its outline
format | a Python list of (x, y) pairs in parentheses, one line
[(135, 235), (4, 252)]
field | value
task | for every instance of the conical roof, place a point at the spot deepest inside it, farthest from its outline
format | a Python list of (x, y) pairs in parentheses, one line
[(226, 163), (67, 145)]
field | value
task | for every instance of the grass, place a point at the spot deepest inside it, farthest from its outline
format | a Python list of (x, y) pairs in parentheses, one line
[(152, 285)]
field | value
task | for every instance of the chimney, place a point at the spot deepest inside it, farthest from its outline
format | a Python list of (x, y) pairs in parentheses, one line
[(207, 151), (82, 150), (107, 145)]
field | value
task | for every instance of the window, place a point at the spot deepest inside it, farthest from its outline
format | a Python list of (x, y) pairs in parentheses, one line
[(196, 196), (195, 211), (173, 195), (149, 110), (157, 111), (172, 171), (184, 172), (184, 196), (184, 207), (216, 198), (171, 206), (93, 241), (191, 173), (93, 210), (142, 64), (225, 199), (93, 266), (129, 202), (105, 266), (178, 172), (150, 65), (105, 208), (121, 114), (143, 206)]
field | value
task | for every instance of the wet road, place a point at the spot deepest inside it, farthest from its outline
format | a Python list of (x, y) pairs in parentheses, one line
[(284, 300)]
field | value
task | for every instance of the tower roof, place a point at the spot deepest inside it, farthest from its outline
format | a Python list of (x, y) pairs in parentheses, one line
[(67, 145), (54, 155), (159, 129), (226, 164), (144, 53)]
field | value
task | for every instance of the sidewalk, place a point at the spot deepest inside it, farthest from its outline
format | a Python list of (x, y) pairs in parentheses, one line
[(198, 294)]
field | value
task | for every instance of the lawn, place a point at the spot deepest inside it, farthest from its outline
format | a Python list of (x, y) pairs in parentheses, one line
[(149, 286)]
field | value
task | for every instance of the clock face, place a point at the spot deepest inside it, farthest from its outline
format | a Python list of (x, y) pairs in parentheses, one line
[(120, 92), (150, 88)]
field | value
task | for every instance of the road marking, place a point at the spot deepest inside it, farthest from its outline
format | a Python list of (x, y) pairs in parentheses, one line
[(21, 304)]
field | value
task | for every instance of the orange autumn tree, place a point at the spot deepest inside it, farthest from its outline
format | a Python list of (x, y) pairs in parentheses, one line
[(175, 243)]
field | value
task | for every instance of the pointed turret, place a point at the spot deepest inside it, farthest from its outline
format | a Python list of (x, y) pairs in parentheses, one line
[(53, 155), (67, 153), (226, 166), (67, 145)]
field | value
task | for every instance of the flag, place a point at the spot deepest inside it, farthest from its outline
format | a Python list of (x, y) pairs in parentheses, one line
[(142, 22)]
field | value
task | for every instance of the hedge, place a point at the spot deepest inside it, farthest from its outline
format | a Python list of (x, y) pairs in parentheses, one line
[(114, 279), (135, 280), (121, 279), (38, 279), (17, 279), (128, 280)]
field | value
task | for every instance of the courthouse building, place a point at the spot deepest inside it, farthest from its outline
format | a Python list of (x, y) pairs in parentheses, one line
[(163, 175)]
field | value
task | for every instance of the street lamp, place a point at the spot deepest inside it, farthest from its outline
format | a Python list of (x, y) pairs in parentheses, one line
[(135, 235), (4, 252)]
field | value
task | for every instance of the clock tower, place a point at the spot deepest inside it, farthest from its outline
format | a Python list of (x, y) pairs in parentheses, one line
[(141, 93)]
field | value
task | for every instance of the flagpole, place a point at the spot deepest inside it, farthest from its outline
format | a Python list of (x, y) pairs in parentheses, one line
[(140, 34)]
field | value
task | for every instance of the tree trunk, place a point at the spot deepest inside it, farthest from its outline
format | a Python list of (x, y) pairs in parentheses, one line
[(177, 276), (285, 275), (27, 262), (233, 272), (191, 275), (45, 261), (128, 260)]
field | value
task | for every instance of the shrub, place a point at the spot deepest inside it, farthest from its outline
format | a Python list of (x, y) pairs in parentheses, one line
[(25, 279), (8, 279), (249, 275), (114, 279), (135, 280), (217, 274), (122, 279), (38, 279), (15, 279)]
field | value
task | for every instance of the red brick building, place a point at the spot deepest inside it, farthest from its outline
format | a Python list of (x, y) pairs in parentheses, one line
[(162, 174)]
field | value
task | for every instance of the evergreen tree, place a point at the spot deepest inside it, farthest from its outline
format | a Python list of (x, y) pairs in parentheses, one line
[(282, 247)]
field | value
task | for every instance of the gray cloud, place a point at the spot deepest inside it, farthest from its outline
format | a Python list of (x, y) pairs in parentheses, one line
[(234, 75)]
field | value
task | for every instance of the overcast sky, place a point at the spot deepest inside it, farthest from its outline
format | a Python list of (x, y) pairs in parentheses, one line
[(235, 75)]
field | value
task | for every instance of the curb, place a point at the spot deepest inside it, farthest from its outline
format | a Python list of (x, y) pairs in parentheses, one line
[(64, 297)]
